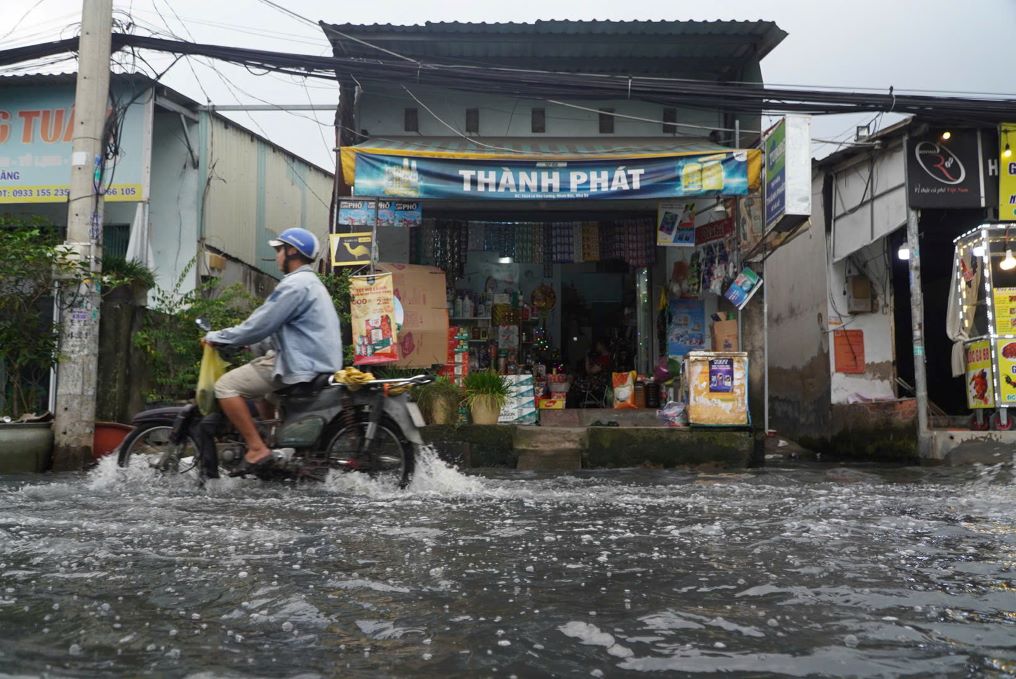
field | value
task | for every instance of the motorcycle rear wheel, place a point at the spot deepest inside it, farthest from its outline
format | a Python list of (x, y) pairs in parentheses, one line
[(390, 459), (151, 443)]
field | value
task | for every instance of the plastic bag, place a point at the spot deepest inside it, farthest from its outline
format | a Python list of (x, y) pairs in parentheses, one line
[(624, 389), (673, 414), (212, 368)]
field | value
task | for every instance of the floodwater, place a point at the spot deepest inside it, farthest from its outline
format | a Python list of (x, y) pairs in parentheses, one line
[(807, 571)]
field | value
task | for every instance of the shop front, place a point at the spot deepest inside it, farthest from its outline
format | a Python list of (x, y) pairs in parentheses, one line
[(585, 275)]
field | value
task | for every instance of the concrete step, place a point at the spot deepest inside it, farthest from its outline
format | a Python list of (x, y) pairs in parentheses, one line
[(550, 438), (550, 460)]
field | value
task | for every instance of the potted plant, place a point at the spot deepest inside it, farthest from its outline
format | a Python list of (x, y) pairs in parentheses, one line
[(31, 260), (439, 400), (486, 393)]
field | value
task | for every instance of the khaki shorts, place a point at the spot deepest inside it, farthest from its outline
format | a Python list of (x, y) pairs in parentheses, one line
[(253, 380)]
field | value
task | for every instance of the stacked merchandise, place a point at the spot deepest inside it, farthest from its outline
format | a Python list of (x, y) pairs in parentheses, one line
[(456, 366)]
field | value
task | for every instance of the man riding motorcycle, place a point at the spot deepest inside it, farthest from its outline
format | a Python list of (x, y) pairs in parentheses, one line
[(301, 321)]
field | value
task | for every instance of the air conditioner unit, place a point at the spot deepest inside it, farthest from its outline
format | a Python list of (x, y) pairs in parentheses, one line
[(860, 298)]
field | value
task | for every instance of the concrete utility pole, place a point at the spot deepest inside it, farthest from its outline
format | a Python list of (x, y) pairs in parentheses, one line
[(79, 344), (917, 327)]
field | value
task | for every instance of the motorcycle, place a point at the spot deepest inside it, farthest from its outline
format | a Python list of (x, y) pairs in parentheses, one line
[(369, 426)]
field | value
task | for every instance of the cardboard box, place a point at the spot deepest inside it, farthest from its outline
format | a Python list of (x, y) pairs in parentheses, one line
[(551, 404), (724, 335), (423, 339)]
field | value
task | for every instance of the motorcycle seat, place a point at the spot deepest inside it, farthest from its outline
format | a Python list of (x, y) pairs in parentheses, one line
[(306, 388)]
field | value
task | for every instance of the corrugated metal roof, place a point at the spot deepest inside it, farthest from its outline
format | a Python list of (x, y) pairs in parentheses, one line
[(713, 48)]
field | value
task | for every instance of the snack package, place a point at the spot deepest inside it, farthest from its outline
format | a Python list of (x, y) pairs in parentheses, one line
[(624, 389)]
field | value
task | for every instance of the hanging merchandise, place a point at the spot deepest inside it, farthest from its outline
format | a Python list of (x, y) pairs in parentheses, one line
[(563, 247), (694, 287), (536, 235), (477, 236), (591, 242)]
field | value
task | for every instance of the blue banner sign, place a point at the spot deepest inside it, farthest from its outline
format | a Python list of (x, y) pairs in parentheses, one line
[(36, 131), (714, 174)]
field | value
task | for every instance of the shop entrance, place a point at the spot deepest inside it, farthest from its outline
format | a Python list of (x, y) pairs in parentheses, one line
[(546, 298)]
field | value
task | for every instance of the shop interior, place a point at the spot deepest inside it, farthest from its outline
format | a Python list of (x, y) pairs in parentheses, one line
[(573, 299)]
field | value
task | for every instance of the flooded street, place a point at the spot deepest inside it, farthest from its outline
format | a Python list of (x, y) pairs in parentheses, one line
[(867, 572)]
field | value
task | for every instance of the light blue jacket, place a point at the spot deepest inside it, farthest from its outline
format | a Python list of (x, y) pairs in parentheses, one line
[(301, 320)]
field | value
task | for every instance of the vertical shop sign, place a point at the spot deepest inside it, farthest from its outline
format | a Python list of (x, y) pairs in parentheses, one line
[(372, 311), (675, 224), (978, 374), (945, 173), (1007, 173), (788, 173), (1006, 349)]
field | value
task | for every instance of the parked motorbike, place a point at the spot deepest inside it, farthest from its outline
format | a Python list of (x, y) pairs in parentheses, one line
[(371, 426)]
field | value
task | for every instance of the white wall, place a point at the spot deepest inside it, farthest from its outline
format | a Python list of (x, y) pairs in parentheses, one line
[(173, 206), (878, 381)]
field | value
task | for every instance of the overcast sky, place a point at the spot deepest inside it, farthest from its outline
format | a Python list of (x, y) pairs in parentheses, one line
[(938, 45)]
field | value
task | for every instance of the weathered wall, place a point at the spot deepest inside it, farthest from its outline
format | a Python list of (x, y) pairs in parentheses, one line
[(797, 290), (877, 383), (174, 201)]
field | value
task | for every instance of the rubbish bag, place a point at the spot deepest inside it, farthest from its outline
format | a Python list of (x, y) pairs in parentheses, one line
[(212, 368)]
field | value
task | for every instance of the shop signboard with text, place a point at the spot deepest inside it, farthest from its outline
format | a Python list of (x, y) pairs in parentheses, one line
[(980, 393), (1007, 173), (724, 173), (788, 173), (36, 132), (945, 170)]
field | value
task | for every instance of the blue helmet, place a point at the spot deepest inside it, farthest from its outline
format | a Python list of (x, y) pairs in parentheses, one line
[(303, 240)]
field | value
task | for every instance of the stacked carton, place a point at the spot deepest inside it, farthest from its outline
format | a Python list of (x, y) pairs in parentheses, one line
[(456, 365)]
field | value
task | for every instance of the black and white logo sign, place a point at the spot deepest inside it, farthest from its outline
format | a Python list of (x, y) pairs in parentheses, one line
[(945, 174)]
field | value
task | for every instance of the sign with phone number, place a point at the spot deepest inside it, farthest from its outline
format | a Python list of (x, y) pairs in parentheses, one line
[(60, 194)]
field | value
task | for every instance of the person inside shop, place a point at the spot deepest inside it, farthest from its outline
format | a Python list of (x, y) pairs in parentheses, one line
[(598, 360), (591, 386), (301, 320)]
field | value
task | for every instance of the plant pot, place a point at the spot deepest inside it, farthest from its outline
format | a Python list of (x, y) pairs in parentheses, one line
[(441, 411), (107, 437), (25, 447), (484, 411)]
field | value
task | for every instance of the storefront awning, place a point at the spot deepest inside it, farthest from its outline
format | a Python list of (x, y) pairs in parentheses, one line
[(549, 169)]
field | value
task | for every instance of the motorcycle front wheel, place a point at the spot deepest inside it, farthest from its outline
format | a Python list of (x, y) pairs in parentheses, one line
[(390, 458), (151, 444)]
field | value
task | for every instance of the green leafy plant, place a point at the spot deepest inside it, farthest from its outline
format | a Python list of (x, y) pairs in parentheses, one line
[(118, 272), (337, 285), (170, 337), (33, 262), (440, 391), (486, 387)]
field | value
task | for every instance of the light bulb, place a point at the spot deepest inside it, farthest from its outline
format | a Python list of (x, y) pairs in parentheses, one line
[(1009, 262), (904, 252), (947, 135), (1008, 151), (978, 251)]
